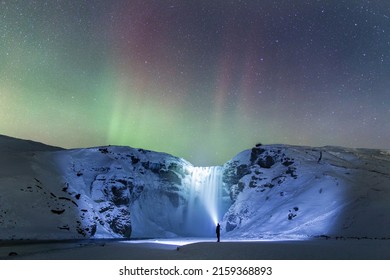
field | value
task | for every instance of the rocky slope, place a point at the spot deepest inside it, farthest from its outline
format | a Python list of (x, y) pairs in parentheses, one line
[(274, 191), (49, 193), (301, 192)]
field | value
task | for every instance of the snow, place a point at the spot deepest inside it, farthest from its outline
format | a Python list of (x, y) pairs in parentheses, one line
[(279, 201), (346, 193), (85, 193), (200, 249)]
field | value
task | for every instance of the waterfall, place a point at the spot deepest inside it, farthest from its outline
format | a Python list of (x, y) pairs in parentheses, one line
[(205, 198)]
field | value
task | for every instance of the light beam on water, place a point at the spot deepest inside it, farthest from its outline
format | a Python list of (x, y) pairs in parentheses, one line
[(204, 206)]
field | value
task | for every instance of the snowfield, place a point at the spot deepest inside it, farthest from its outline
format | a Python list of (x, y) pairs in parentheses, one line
[(198, 249), (274, 202)]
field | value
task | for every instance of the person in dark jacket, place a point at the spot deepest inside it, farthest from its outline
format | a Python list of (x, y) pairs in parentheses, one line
[(218, 232)]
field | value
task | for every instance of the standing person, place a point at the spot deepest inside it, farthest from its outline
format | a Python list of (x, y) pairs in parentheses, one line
[(218, 232)]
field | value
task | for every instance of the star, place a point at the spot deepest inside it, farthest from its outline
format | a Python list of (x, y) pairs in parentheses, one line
[(201, 80)]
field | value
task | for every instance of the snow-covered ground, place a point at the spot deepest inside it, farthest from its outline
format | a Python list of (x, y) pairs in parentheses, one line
[(199, 249), (276, 202)]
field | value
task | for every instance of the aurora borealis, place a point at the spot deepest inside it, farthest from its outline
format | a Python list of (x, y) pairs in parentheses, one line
[(201, 80)]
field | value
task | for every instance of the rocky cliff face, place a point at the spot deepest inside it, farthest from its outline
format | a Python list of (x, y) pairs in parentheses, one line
[(121, 192), (103, 192), (260, 169), (303, 192)]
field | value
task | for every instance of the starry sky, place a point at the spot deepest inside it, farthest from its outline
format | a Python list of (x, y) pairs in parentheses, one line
[(202, 80)]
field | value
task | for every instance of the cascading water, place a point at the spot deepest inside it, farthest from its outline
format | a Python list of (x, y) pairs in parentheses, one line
[(205, 200)]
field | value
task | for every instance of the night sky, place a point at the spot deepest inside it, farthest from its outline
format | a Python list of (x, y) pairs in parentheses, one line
[(202, 80)]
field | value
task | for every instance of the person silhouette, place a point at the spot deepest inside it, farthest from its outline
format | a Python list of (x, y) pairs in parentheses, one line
[(218, 232)]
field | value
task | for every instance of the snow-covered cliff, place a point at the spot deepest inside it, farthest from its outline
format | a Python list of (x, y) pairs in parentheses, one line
[(103, 192), (302, 192), (121, 192)]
